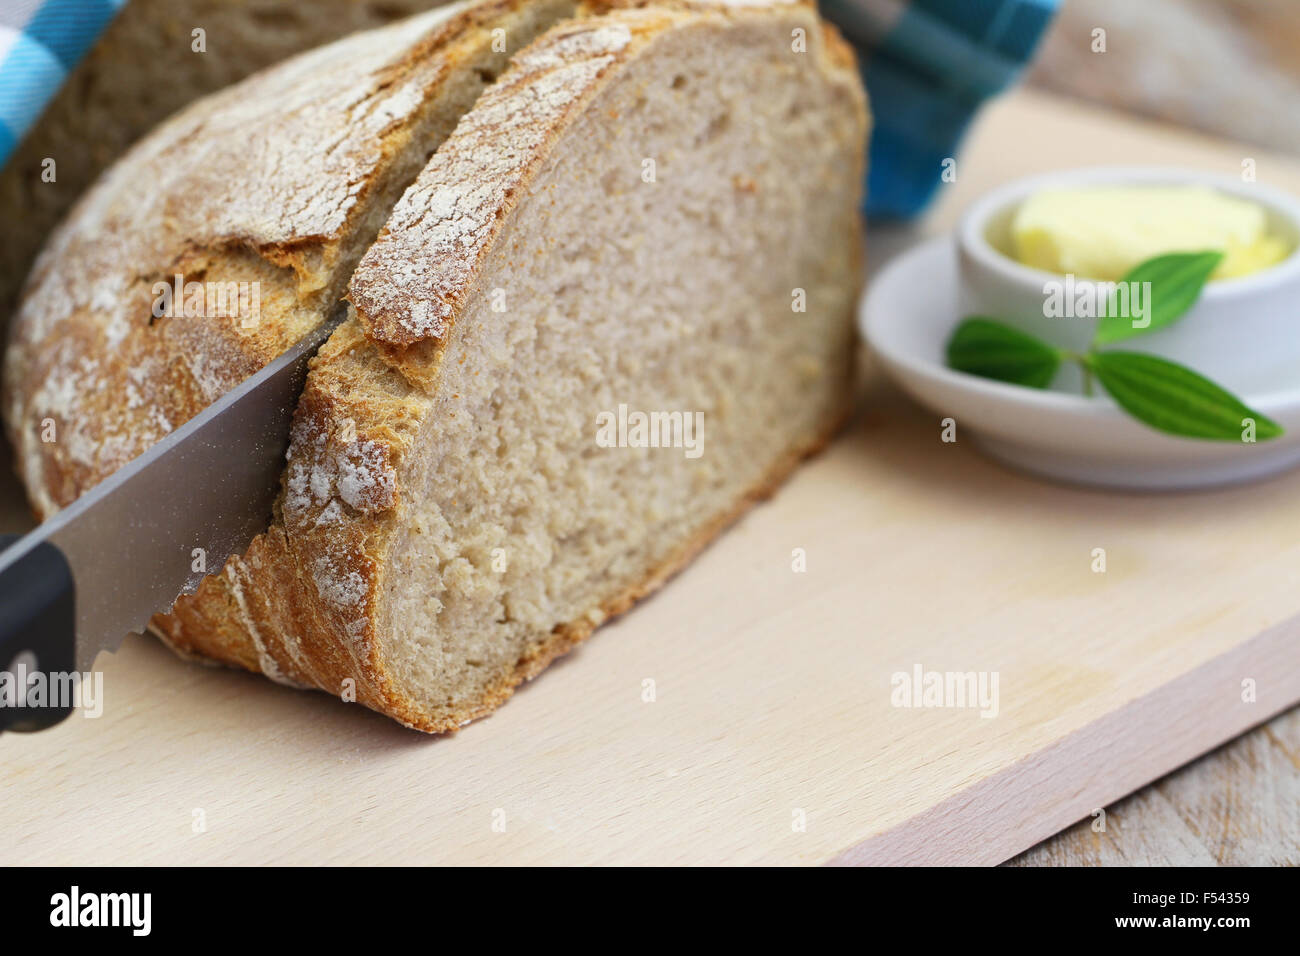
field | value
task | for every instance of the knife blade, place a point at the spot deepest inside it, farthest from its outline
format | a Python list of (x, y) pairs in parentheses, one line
[(101, 567)]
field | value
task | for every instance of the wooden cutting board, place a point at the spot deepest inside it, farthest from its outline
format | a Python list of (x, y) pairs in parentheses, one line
[(744, 713)]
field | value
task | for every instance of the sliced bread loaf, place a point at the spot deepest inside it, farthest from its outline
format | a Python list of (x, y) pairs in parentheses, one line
[(613, 310)]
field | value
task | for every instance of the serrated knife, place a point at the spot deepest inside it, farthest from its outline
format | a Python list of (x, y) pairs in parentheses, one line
[(100, 568)]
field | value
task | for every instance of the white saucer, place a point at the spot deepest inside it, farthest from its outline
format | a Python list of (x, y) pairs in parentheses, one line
[(906, 316)]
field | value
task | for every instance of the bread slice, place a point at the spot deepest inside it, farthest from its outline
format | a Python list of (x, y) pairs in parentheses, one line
[(653, 211), (280, 182)]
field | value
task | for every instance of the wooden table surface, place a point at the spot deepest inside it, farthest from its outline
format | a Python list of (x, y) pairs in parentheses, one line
[(298, 778)]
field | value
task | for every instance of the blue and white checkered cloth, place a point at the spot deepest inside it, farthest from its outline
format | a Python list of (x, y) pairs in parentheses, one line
[(927, 64), (40, 42)]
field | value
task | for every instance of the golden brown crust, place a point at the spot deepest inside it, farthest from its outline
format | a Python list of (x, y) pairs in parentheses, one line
[(839, 51), (299, 604)]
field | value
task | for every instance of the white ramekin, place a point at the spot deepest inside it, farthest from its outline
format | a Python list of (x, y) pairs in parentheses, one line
[(1243, 333)]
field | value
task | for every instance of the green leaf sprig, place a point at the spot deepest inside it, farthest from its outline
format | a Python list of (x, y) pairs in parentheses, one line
[(1162, 394)]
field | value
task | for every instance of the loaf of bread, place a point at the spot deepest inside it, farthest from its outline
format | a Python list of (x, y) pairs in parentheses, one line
[(613, 309)]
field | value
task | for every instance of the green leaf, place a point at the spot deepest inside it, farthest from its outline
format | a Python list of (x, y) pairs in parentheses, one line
[(1174, 399), (991, 349), (1175, 281)]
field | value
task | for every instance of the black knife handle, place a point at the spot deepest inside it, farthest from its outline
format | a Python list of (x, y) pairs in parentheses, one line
[(38, 642)]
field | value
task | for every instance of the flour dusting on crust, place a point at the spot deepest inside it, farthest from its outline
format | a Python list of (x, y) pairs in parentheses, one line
[(408, 285), (264, 183)]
